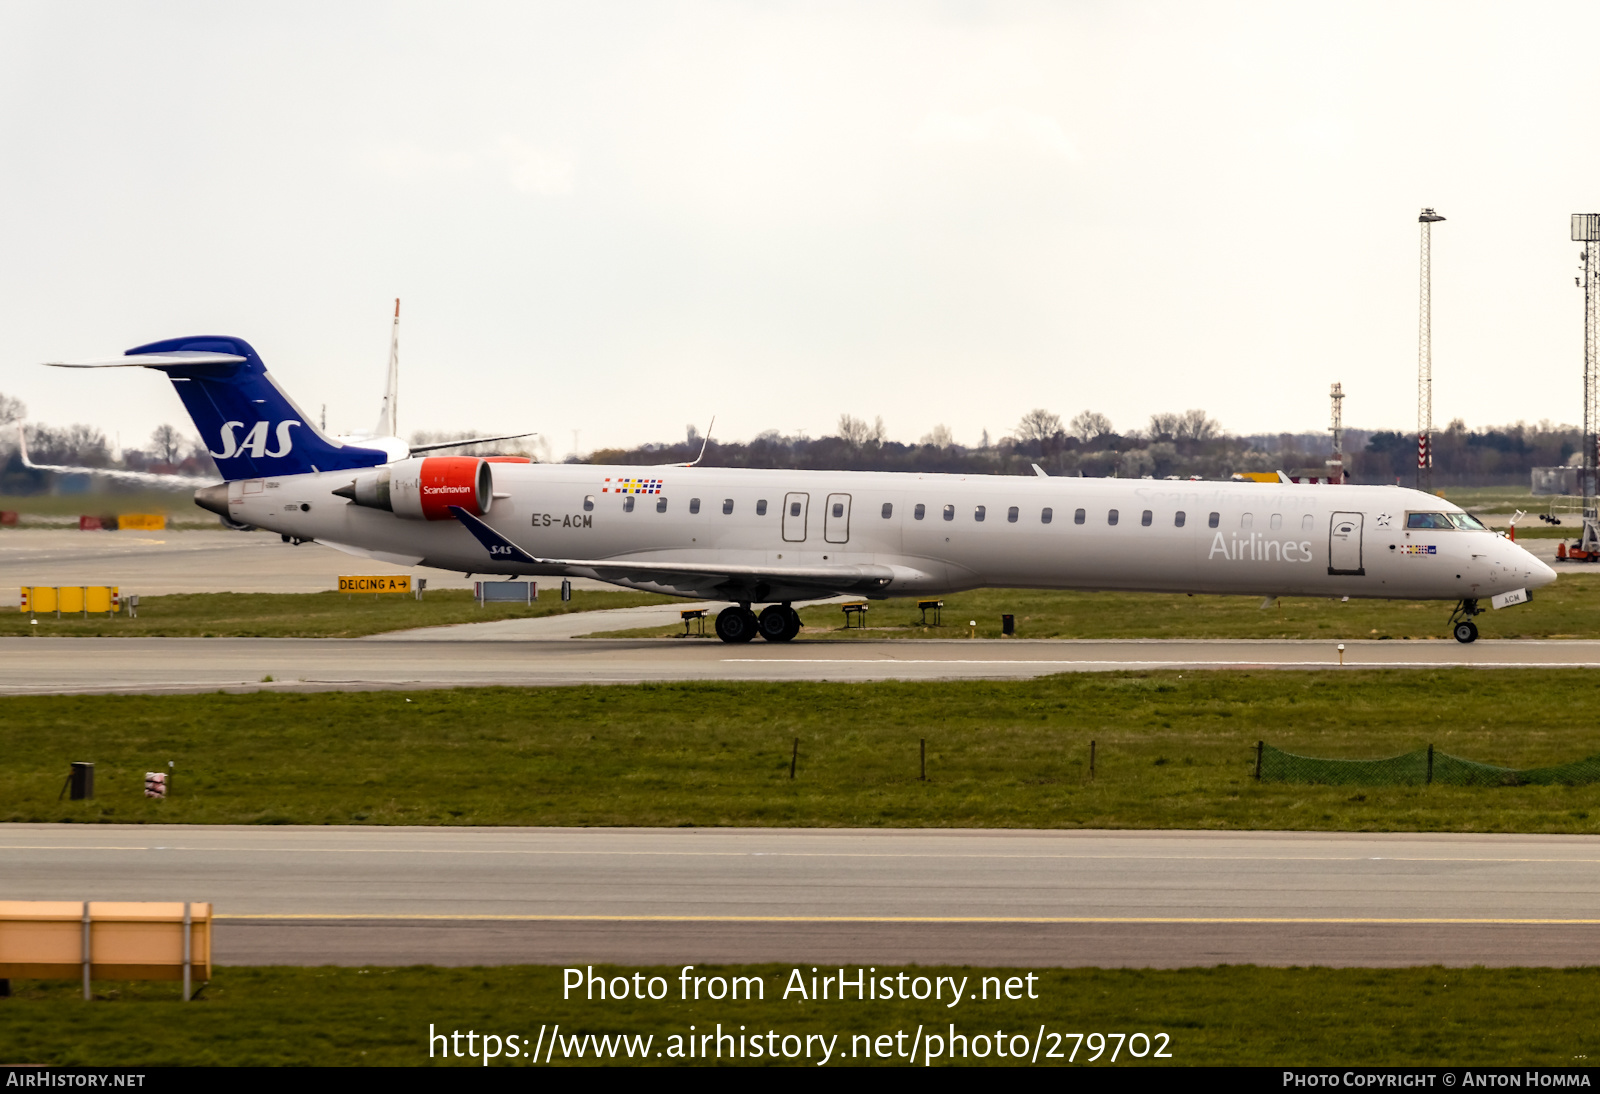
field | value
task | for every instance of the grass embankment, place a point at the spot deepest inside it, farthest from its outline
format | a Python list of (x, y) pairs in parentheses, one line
[(308, 615), (1232, 1015), (1175, 750), (1568, 608)]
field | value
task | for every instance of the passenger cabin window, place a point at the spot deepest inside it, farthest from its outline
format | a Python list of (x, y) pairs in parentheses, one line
[(838, 509), (1111, 517), (627, 504), (661, 505), (1467, 522), (888, 510), (1011, 514), (1428, 520), (1276, 522), (1077, 516), (1178, 518), (949, 512), (694, 505), (588, 503), (1247, 520), (1046, 515), (727, 507), (794, 509), (979, 511), (1215, 519), (920, 511), (761, 507), (1305, 523), (1145, 518)]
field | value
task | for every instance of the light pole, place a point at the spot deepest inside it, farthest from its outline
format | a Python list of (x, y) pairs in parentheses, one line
[(1425, 356)]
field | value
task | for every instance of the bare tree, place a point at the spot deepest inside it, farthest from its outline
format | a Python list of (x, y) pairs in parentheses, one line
[(940, 436), (1164, 426), (1039, 424), (858, 433), (1090, 425), (1195, 426), (11, 409), (168, 442)]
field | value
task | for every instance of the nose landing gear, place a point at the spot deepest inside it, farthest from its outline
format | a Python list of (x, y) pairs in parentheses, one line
[(1461, 624)]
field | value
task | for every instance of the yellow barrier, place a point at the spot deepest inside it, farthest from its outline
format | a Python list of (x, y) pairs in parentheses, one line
[(42, 599), (118, 940), (141, 522), (376, 584)]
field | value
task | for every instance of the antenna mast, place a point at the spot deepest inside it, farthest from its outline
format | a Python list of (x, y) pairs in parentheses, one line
[(1425, 356), (1336, 465), (391, 399), (1586, 230)]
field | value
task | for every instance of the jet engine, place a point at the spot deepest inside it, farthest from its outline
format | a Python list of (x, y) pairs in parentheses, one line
[(425, 488)]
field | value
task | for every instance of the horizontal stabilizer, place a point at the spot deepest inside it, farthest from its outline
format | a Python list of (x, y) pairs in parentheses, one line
[(173, 359), (144, 478), (466, 441)]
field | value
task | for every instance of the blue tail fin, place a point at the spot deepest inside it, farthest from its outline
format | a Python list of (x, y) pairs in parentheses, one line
[(250, 427)]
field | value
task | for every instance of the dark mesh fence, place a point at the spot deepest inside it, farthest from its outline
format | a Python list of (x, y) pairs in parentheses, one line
[(1425, 765)]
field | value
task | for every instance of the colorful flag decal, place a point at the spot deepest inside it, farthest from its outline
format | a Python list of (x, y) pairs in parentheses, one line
[(631, 486)]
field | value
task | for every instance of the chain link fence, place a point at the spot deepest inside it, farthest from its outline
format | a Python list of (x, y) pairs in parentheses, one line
[(1419, 768)]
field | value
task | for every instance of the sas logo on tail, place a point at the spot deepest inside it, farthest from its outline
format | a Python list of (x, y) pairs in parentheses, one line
[(254, 443)]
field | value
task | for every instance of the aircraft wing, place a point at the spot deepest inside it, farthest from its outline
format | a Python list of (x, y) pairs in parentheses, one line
[(468, 440), (695, 578)]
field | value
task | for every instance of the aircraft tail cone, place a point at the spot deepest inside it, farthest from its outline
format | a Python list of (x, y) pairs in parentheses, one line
[(346, 492), (213, 498)]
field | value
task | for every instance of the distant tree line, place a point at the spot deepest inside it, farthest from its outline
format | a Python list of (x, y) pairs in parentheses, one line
[(1182, 444), (1190, 443)]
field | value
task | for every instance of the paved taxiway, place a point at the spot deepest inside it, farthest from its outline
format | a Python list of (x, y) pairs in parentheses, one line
[(70, 665), (190, 561), (357, 895)]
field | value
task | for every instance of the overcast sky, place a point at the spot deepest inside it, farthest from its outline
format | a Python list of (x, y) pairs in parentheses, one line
[(622, 218)]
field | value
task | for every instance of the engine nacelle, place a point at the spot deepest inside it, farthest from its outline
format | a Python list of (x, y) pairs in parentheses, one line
[(426, 487)]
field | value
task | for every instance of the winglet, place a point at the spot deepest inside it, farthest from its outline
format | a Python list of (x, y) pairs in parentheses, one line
[(499, 547), (1037, 470)]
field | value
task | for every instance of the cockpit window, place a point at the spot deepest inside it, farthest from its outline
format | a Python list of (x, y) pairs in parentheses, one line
[(1467, 521), (1428, 520)]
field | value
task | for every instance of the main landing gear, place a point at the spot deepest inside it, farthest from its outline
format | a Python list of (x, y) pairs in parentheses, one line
[(777, 623), (1461, 624)]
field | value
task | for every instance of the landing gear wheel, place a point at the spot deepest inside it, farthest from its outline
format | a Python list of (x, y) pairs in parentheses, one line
[(779, 623), (736, 624), (1466, 631)]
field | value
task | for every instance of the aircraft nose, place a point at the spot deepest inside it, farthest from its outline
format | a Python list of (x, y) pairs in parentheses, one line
[(1538, 572)]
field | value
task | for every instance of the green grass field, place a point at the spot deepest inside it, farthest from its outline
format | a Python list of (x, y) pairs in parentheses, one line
[(1174, 750), (1239, 1015), (308, 615), (1568, 608)]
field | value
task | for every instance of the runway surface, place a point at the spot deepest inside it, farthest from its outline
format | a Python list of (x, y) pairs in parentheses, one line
[(189, 561), (142, 665), (360, 895)]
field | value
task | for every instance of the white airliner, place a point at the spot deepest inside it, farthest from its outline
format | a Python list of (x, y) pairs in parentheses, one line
[(760, 537)]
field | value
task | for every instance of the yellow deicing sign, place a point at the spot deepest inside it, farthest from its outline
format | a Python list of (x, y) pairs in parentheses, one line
[(377, 584)]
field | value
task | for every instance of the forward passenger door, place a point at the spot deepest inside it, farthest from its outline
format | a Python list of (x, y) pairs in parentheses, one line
[(836, 521), (795, 507)]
